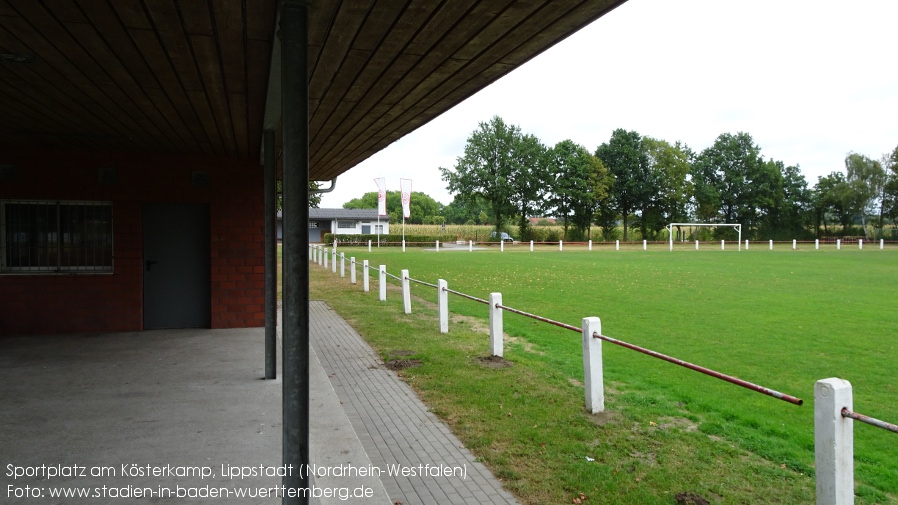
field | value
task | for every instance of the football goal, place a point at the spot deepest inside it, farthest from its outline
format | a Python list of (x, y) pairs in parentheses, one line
[(671, 226)]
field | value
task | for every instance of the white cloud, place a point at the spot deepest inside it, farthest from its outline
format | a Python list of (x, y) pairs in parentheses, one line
[(809, 80)]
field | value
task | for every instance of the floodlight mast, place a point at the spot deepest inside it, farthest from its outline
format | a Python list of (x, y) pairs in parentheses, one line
[(737, 226)]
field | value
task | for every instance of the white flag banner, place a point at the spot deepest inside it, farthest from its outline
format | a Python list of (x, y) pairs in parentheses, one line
[(406, 186), (381, 196)]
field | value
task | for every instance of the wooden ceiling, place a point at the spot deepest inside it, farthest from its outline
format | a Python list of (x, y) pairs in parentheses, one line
[(191, 76)]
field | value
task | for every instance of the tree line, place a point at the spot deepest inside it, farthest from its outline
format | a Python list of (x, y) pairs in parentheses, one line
[(505, 175)]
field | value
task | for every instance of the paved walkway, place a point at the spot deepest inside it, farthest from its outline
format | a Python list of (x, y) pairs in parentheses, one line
[(394, 427)]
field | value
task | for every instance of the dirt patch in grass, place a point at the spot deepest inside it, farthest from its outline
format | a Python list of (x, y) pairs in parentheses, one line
[(603, 418), (493, 362), (402, 364), (690, 499)]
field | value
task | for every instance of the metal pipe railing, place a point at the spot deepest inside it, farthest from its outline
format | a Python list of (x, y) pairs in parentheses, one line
[(869, 420)]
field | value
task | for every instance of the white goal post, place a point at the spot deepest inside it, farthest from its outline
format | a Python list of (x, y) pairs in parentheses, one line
[(670, 227)]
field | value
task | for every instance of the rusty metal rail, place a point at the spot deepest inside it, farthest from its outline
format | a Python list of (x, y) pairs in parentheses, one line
[(422, 282), (469, 297), (869, 420), (669, 359)]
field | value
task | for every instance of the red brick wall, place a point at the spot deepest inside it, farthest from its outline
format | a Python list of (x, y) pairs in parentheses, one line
[(113, 302)]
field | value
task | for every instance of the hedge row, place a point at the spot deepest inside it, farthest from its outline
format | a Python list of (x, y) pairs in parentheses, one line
[(410, 240)]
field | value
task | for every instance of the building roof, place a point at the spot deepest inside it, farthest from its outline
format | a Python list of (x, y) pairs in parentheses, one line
[(199, 78), (359, 214)]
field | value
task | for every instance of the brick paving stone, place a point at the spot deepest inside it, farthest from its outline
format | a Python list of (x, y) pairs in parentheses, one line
[(393, 425)]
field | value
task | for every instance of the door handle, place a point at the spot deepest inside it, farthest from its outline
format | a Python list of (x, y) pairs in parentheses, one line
[(150, 263)]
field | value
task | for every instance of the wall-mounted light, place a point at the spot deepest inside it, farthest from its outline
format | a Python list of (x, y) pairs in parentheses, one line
[(16, 58)]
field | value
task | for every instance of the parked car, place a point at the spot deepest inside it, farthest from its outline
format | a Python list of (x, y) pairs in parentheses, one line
[(504, 236)]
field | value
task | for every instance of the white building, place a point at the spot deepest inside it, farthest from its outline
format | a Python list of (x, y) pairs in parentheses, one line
[(342, 222)]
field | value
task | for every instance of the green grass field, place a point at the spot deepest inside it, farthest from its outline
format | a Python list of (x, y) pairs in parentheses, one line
[(781, 318)]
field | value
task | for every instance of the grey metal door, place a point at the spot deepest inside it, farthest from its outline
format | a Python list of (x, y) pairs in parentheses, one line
[(176, 271), (366, 229)]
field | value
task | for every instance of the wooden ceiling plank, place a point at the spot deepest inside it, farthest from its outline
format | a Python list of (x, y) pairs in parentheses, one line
[(349, 19), (203, 110), (207, 56), (122, 88), (182, 117), (196, 17), (258, 55), (111, 30), (132, 14), (238, 119), (260, 19), (229, 29), (353, 62)]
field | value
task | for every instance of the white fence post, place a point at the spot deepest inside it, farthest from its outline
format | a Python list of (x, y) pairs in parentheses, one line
[(561, 245), (369, 246), (495, 325), (352, 270), (590, 245), (882, 243), (406, 293), (860, 243), (723, 245), (794, 244), (746, 244), (696, 245), (531, 246), (382, 283), (644, 245), (816, 244), (366, 285), (325, 257), (592, 365), (771, 245), (335, 245), (470, 246), (438, 246), (833, 442), (838, 244), (403, 245), (443, 304), (334, 262), (617, 245), (342, 265), (501, 245)]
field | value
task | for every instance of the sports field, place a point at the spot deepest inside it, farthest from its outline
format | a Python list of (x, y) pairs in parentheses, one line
[(781, 318)]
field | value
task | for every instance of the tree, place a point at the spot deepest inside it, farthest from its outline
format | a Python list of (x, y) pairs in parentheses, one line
[(461, 211), (527, 179), (625, 157), (670, 166), (314, 195), (890, 186), (831, 193), (865, 178), (487, 167), (422, 207), (732, 181), (579, 183)]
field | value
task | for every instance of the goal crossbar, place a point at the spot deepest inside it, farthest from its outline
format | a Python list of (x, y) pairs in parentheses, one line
[(737, 226)]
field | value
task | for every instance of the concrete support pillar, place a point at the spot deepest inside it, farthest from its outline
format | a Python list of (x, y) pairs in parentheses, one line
[(833, 442), (334, 262), (495, 325), (366, 284), (593, 381), (352, 270), (326, 255), (382, 283), (342, 265), (443, 304), (294, 44), (406, 293)]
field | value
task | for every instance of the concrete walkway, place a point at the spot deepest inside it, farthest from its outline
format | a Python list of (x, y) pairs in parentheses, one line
[(395, 428), (154, 410)]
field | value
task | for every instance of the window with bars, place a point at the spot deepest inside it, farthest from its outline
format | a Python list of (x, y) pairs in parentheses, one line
[(55, 236), (346, 224)]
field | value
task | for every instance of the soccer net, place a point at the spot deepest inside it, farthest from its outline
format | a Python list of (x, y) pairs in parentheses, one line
[(670, 230)]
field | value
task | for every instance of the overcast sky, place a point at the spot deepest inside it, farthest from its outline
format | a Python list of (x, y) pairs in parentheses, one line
[(809, 80)]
